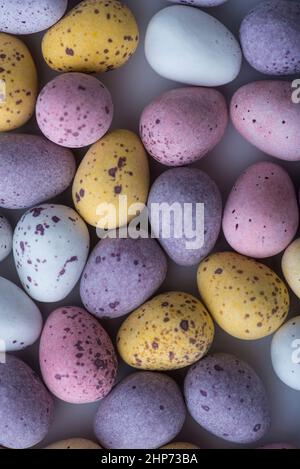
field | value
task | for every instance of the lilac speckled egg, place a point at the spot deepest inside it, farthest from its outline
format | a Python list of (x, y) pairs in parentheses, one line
[(183, 125), (261, 215), (77, 357), (32, 170), (30, 16), (6, 236), (265, 115), (26, 407), (278, 446), (121, 274), (270, 37), (74, 110), (184, 231), (50, 245), (200, 3), (227, 398), (145, 410)]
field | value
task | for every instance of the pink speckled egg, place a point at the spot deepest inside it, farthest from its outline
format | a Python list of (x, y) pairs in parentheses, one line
[(261, 214), (77, 358), (265, 115), (183, 125), (74, 110)]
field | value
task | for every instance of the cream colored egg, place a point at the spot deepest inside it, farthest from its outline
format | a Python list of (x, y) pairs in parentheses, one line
[(74, 443), (291, 266)]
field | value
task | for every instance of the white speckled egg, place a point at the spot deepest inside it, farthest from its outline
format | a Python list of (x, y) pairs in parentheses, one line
[(30, 16), (285, 353), (20, 319), (5, 238), (50, 244)]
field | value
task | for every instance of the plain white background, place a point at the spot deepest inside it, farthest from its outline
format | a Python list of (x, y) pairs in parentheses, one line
[(133, 87)]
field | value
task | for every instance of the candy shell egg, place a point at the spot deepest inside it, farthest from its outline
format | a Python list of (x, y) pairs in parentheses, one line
[(18, 83), (291, 266), (74, 110), (246, 298), (30, 16), (184, 190), (285, 353), (121, 274), (270, 37), (168, 332), (26, 407), (51, 245), (112, 179), (261, 215), (145, 410), (227, 398), (74, 443), (6, 236), (20, 319), (32, 170), (189, 46), (183, 125), (200, 3), (95, 36), (265, 115), (77, 358), (179, 445)]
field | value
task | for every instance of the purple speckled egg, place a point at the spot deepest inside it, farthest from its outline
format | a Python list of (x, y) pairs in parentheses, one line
[(227, 398), (121, 274), (183, 125), (183, 232), (145, 410), (200, 3), (26, 407), (74, 110), (270, 37), (77, 358), (50, 246), (261, 215), (32, 170), (265, 115), (278, 446)]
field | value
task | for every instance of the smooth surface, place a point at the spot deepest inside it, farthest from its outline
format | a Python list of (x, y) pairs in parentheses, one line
[(132, 88)]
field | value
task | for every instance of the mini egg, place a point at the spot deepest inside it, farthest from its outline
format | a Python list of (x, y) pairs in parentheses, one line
[(95, 36), (6, 236), (179, 445), (32, 170), (270, 37), (111, 180), (30, 16), (74, 110), (246, 298), (171, 331), (285, 353), (290, 264), (121, 274), (189, 46), (175, 205), (20, 319), (77, 358), (18, 83), (261, 215), (26, 407), (200, 3), (278, 446), (227, 398), (51, 245), (265, 115), (145, 410), (183, 125), (74, 443)]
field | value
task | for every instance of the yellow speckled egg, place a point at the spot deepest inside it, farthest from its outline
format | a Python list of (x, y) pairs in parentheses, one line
[(291, 266), (171, 331), (96, 36), (246, 298), (179, 445), (111, 179), (18, 83), (74, 443)]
